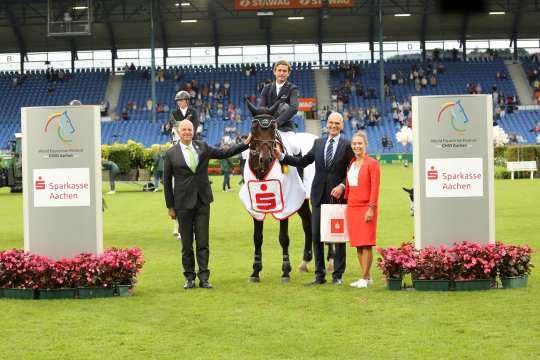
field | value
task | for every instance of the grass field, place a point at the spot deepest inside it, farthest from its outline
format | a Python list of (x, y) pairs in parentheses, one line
[(271, 320)]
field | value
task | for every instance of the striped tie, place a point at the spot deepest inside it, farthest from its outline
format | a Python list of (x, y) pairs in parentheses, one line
[(329, 153), (192, 158)]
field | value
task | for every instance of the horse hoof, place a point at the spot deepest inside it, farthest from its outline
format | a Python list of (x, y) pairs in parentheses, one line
[(303, 267), (285, 279), (254, 279)]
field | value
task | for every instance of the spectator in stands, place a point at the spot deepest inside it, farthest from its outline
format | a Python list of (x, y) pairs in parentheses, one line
[(146, 74), (536, 129), (433, 81), (231, 112), (183, 112), (478, 89), (15, 80), (161, 75), (132, 67), (394, 78), (386, 142), (61, 75), (50, 89), (226, 88), (125, 113), (178, 75), (149, 104), (160, 108), (104, 107)]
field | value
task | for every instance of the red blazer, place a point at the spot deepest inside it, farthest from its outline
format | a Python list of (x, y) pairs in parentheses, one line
[(369, 180)]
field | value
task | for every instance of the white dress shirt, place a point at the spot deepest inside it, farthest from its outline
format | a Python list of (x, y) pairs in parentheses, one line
[(278, 88), (352, 174)]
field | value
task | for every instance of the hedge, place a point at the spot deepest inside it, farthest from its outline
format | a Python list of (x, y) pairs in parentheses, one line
[(134, 155)]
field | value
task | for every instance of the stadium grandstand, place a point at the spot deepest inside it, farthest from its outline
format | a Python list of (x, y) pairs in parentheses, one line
[(363, 58)]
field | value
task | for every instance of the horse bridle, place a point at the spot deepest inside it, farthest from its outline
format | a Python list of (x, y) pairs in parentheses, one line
[(265, 124)]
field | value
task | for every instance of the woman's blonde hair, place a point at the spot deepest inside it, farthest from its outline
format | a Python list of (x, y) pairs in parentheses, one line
[(361, 134)]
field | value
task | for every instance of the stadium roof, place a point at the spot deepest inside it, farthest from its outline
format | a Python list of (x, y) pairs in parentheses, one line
[(125, 24)]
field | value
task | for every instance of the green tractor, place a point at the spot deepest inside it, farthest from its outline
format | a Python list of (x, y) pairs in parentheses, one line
[(11, 165)]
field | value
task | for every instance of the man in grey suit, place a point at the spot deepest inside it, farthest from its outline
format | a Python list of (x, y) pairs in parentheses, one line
[(186, 163)]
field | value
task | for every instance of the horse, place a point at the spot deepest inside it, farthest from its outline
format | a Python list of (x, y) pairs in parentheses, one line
[(264, 138)]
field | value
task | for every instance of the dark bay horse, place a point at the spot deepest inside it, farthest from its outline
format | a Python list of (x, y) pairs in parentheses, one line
[(264, 138)]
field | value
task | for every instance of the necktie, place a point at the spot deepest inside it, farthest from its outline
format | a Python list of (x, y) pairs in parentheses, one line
[(329, 153), (192, 158)]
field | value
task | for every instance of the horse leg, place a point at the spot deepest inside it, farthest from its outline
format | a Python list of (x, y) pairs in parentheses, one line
[(257, 241), (284, 242), (305, 215)]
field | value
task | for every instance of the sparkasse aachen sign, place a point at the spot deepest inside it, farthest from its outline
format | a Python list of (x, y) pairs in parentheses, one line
[(453, 169)]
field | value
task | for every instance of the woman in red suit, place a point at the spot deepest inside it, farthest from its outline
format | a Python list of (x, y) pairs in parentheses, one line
[(362, 193)]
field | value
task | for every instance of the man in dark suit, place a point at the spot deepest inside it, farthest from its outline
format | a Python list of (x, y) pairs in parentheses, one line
[(183, 112), (186, 163), (332, 156)]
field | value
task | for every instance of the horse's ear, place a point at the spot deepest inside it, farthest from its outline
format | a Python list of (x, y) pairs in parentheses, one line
[(251, 107), (272, 110)]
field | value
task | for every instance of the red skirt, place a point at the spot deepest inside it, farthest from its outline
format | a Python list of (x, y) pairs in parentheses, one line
[(361, 233)]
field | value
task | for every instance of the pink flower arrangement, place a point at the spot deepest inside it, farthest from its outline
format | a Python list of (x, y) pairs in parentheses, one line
[(396, 262), (464, 261), (433, 264), (473, 261), (114, 267), (514, 260)]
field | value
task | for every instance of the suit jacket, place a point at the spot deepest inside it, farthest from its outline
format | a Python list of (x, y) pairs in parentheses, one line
[(189, 185), (325, 178), (176, 116), (288, 94)]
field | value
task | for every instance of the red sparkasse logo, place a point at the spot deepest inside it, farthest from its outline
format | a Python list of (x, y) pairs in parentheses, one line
[(267, 200), (39, 184), (432, 174), (337, 226)]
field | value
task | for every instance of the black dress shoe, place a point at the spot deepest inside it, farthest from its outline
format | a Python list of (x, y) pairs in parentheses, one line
[(205, 284), (317, 282), (189, 284)]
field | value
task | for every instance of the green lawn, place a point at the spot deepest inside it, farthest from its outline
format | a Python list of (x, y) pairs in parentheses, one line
[(271, 320)]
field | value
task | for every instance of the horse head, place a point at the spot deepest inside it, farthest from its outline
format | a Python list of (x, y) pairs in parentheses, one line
[(264, 138)]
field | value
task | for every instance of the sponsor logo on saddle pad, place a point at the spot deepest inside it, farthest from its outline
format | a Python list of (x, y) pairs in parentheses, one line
[(266, 196)]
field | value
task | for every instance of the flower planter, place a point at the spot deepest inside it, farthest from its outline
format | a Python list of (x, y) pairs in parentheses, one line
[(45, 294), (123, 290), (10, 293), (514, 282), (431, 285), (472, 285), (394, 284), (96, 292)]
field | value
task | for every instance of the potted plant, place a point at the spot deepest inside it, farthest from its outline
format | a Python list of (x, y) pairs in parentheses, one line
[(16, 274), (55, 280), (475, 266), (395, 263), (90, 283), (514, 265), (433, 269)]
